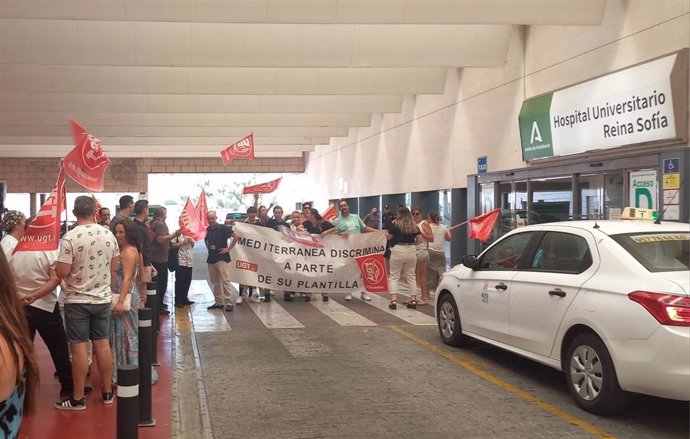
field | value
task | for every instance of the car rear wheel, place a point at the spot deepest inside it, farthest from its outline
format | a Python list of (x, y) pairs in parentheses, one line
[(448, 319), (591, 376)]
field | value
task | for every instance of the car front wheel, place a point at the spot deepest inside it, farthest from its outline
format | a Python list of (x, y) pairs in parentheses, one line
[(591, 376), (448, 319)]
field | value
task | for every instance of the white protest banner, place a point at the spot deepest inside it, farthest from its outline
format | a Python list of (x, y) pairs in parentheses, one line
[(269, 259)]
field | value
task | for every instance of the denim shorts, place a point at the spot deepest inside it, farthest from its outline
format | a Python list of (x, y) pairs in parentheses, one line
[(87, 321)]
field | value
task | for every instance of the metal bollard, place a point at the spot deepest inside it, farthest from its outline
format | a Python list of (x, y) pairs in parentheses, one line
[(145, 341), (152, 304), (127, 402)]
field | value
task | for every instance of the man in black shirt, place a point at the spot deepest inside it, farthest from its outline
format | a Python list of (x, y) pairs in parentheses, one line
[(141, 212), (216, 241)]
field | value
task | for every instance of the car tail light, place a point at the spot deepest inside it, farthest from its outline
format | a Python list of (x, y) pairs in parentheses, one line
[(668, 309)]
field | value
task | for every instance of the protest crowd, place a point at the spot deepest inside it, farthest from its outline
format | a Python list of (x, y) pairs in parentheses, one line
[(81, 288)]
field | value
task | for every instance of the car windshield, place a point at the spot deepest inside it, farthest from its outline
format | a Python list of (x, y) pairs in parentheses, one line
[(658, 251)]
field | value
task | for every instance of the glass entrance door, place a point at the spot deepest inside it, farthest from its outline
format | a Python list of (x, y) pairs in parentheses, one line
[(551, 200)]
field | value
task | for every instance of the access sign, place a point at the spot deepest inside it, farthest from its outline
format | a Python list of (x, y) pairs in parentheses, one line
[(643, 189)]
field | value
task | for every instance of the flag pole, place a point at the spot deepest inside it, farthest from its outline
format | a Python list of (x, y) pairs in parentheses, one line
[(458, 225)]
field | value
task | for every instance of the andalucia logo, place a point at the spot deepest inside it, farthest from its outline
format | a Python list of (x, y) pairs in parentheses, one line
[(535, 128)]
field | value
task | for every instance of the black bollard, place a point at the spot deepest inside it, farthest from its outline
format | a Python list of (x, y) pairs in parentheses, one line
[(152, 304), (145, 341), (127, 402)]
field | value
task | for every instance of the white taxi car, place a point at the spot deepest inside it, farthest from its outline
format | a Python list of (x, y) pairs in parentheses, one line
[(606, 302)]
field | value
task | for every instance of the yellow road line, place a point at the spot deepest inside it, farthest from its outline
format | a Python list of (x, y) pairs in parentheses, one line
[(182, 323), (472, 367)]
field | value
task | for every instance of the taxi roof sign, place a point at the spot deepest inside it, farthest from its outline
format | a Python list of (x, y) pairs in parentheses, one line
[(635, 213)]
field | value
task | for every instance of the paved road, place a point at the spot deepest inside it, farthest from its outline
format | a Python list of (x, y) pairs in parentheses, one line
[(354, 370)]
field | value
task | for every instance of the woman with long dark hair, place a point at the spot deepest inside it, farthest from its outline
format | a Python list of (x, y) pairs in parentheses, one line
[(18, 368), (124, 332), (404, 233)]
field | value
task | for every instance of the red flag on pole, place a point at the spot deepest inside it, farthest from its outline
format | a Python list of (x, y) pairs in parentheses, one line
[(86, 163), (44, 231), (98, 207), (482, 225), (373, 268), (263, 188), (242, 149), (202, 208), (189, 222), (330, 214)]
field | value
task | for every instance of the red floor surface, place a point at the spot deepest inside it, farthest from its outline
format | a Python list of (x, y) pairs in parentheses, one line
[(98, 420)]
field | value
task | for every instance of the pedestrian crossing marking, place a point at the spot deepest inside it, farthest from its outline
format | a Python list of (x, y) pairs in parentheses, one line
[(411, 316), (202, 319), (274, 316), (342, 315)]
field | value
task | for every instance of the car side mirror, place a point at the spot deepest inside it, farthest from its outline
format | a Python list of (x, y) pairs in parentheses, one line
[(470, 261)]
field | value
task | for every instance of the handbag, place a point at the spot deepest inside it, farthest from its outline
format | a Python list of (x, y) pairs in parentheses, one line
[(127, 303), (173, 254)]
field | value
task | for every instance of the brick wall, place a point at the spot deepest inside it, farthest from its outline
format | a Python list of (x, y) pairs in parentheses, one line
[(131, 174)]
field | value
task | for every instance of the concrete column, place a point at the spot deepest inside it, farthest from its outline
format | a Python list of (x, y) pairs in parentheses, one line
[(32, 204), (459, 242)]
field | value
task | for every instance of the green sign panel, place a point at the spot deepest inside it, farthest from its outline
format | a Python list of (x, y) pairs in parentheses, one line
[(535, 128)]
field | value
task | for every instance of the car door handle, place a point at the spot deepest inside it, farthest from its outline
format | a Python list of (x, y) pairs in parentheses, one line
[(557, 292), (501, 286)]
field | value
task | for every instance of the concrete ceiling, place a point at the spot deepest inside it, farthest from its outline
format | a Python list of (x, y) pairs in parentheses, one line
[(184, 78)]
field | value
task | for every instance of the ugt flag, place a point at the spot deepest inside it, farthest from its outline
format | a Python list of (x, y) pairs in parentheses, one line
[(202, 208), (86, 163), (482, 225), (44, 231), (189, 222), (373, 268), (242, 149), (263, 188)]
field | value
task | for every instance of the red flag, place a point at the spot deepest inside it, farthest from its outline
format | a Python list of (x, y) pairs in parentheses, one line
[(330, 214), (481, 226), (44, 231), (202, 208), (86, 163), (189, 222), (373, 270), (263, 188), (97, 213), (242, 149)]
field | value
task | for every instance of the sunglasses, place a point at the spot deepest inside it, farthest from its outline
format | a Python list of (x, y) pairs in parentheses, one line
[(416, 213)]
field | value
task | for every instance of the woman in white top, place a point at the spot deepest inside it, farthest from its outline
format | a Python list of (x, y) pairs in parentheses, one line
[(422, 255), (437, 250)]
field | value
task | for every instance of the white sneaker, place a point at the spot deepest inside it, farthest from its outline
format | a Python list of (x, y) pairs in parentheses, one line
[(239, 300), (365, 297), (348, 297)]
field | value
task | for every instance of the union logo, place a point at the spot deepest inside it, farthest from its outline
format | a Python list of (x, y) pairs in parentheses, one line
[(243, 147), (373, 270)]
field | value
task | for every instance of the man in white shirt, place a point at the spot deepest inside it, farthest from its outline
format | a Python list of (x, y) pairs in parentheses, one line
[(183, 274), (87, 262), (34, 273)]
